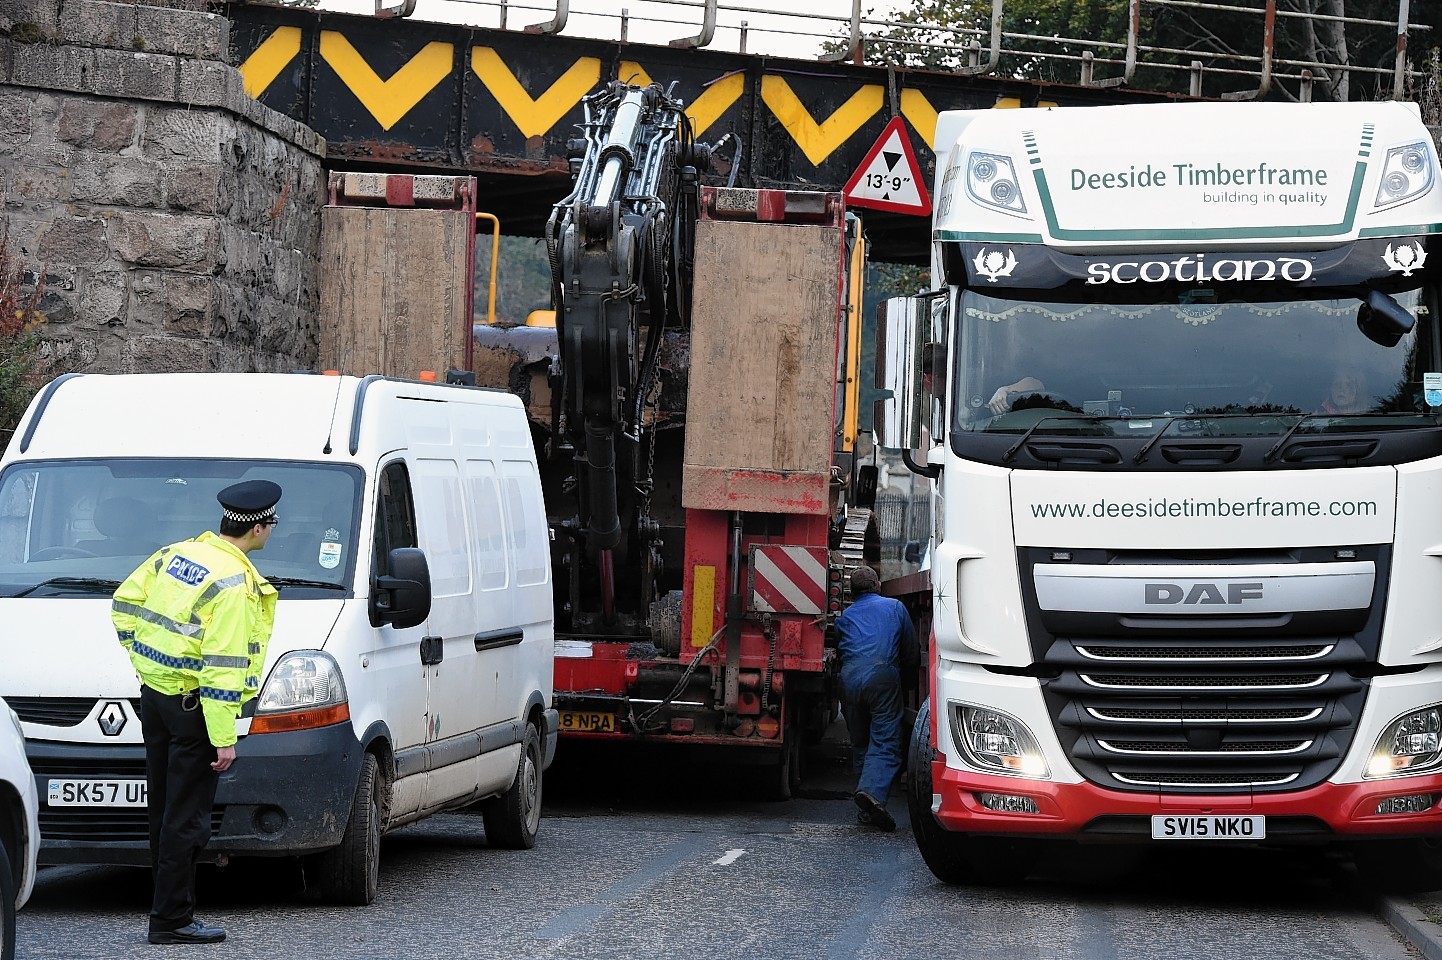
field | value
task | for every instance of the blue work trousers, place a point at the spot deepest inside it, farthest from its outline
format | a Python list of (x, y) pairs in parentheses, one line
[(871, 702)]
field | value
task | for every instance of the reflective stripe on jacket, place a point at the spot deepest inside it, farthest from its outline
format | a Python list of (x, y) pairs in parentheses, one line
[(197, 616)]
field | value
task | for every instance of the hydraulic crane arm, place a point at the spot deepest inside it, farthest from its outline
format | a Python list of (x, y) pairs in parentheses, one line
[(620, 249)]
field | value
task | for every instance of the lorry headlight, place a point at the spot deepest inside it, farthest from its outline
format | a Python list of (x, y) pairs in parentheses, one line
[(1410, 744), (305, 690), (1406, 175), (992, 182), (997, 742)]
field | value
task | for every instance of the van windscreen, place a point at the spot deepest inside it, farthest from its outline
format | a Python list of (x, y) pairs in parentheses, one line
[(91, 521)]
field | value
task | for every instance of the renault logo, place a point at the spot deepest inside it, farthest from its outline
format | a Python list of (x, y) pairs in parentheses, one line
[(111, 719)]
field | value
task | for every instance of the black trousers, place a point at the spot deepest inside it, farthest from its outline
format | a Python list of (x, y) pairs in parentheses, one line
[(180, 788)]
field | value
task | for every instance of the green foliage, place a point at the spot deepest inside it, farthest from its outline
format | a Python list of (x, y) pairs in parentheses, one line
[(523, 278), (1045, 38), (20, 370)]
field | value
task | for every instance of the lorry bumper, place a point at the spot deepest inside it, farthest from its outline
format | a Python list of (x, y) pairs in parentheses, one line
[(1082, 811), (287, 793)]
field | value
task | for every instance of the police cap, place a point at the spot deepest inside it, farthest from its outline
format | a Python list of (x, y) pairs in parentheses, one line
[(249, 502)]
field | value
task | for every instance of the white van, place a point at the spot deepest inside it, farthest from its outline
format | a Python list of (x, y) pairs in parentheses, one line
[(410, 668)]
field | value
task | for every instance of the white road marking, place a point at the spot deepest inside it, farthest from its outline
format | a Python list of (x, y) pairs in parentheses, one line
[(730, 857)]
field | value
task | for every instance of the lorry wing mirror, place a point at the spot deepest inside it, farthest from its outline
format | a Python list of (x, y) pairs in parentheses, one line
[(911, 364), (1383, 320), (402, 597), (897, 419)]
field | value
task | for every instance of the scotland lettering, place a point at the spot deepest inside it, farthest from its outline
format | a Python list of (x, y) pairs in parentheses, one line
[(1196, 268), (1194, 175)]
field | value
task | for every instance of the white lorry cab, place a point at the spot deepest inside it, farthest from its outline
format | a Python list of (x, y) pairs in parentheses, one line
[(1180, 385), (410, 666)]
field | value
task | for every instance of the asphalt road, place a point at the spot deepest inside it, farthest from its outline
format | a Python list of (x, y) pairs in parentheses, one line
[(694, 867)]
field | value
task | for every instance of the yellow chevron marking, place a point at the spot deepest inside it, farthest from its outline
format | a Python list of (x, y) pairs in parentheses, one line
[(267, 60), (387, 100), (714, 101), (1014, 103), (921, 114), (818, 141), (534, 117), (633, 73)]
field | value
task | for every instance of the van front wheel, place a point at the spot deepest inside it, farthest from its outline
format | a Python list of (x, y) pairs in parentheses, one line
[(350, 873), (513, 819)]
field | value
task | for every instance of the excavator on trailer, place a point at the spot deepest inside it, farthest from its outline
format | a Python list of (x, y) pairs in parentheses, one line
[(698, 452)]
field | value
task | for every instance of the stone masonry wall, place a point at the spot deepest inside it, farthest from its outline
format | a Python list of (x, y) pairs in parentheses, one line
[(176, 220)]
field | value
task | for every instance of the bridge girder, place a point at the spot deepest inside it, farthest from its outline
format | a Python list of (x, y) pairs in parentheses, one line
[(410, 96)]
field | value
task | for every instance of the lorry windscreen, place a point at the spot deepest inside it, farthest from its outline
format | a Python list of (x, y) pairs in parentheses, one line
[(67, 522), (1246, 367)]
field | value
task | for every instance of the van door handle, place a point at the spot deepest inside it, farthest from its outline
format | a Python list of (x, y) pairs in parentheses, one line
[(433, 650), (500, 638)]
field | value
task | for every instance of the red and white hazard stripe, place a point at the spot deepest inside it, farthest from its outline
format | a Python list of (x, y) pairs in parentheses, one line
[(788, 579)]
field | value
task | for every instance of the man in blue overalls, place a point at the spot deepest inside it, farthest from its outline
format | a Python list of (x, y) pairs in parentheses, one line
[(877, 644)]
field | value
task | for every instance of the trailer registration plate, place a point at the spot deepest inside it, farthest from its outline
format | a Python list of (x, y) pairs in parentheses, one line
[(588, 721), (95, 793), (1209, 827)]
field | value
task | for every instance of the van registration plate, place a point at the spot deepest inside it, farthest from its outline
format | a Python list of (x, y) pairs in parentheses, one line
[(1210, 827), (95, 793), (588, 721)]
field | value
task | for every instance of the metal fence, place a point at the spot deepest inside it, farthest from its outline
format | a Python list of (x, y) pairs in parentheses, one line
[(837, 30)]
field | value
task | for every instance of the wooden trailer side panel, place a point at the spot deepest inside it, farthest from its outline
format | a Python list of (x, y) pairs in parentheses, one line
[(761, 404), (395, 290)]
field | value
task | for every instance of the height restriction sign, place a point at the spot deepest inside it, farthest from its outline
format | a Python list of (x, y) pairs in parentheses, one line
[(889, 178)]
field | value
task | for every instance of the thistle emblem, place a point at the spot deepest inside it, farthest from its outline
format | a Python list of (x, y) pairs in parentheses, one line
[(993, 264), (1406, 258)]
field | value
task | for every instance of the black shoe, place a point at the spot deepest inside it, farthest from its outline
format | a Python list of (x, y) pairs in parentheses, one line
[(868, 804), (193, 932)]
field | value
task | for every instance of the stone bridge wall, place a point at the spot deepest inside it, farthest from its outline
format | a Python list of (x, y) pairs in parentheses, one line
[(176, 220)]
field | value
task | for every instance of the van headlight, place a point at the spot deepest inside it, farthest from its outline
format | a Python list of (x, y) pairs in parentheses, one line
[(305, 690), (997, 742), (1410, 744), (992, 182), (1406, 175)]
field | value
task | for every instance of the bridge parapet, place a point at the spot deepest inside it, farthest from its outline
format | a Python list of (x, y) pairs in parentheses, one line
[(173, 216)]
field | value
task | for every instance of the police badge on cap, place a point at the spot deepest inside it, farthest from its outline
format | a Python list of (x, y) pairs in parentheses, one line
[(250, 502)]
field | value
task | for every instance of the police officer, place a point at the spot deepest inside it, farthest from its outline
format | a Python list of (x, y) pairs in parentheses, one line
[(877, 643), (195, 618)]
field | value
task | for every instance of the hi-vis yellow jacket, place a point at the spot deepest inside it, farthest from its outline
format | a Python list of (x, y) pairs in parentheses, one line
[(197, 616)]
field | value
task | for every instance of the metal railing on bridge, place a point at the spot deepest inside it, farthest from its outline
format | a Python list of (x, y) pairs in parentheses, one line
[(1293, 54)]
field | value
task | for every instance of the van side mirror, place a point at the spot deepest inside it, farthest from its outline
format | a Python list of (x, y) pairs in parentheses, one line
[(1383, 320), (402, 598)]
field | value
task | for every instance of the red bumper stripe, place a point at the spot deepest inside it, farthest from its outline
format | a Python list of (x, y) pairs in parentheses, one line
[(1067, 808)]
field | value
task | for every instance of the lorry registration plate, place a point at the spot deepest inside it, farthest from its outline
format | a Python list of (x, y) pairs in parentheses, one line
[(588, 721), (1210, 827), (95, 793)]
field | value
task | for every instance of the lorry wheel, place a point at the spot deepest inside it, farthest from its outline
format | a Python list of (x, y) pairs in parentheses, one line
[(513, 819), (350, 873), (1401, 866), (7, 907), (952, 857)]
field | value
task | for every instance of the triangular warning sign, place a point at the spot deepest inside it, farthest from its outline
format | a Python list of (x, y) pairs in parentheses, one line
[(884, 182)]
